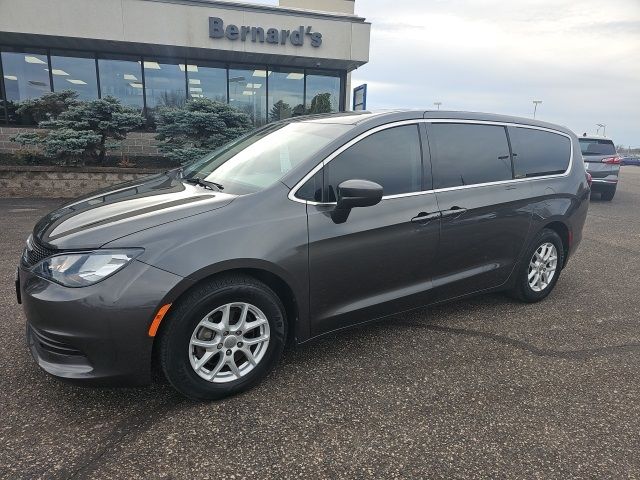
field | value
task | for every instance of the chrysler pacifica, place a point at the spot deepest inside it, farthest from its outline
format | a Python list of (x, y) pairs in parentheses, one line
[(298, 229)]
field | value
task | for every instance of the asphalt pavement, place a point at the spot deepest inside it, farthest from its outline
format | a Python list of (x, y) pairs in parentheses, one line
[(481, 388)]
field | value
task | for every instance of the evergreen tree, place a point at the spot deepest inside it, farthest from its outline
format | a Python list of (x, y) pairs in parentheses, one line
[(280, 111), (201, 126), (321, 103), (84, 130)]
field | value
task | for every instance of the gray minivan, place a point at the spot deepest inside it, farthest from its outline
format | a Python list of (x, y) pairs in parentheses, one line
[(298, 229), (602, 162)]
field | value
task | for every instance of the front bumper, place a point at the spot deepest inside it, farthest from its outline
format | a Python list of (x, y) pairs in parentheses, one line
[(96, 334)]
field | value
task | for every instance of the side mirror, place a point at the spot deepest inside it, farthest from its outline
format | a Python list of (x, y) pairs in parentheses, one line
[(355, 193)]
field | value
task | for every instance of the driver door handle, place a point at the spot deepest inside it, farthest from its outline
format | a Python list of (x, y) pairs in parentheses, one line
[(453, 212), (424, 217)]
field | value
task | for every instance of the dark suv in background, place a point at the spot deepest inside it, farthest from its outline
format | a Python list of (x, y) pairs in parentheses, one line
[(298, 229), (603, 163)]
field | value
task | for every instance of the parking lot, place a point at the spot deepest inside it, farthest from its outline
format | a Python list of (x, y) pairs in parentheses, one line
[(486, 387)]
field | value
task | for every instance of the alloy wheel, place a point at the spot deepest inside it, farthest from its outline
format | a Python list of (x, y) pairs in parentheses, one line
[(229, 342), (542, 267)]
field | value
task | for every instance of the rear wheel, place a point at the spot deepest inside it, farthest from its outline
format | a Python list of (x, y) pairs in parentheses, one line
[(608, 194), (223, 338), (539, 271)]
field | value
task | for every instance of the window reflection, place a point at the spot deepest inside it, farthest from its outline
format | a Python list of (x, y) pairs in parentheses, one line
[(286, 93), (247, 92), (207, 81), (25, 76), (77, 73), (165, 84), (122, 78), (323, 92)]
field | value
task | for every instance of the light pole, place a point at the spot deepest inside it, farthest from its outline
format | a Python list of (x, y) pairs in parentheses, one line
[(535, 106), (437, 104), (604, 128)]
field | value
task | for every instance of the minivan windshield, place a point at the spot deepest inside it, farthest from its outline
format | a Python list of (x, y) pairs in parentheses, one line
[(261, 158), (595, 146)]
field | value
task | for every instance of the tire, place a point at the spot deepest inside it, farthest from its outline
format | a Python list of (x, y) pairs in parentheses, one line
[(523, 289), (608, 194), (205, 307)]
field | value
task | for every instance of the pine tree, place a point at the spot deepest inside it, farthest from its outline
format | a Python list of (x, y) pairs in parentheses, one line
[(201, 126), (84, 130)]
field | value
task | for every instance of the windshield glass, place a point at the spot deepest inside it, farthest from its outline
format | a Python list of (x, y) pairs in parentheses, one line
[(594, 146), (259, 159)]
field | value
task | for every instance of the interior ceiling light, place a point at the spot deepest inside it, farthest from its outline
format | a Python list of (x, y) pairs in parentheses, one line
[(76, 82), (260, 73), (254, 85), (152, 65), (248, 92), (136, 85), (11, 77), (195, 89), (128, 76), (57, 71), (190, 68), (295, 76), (194, 81), (32, 59)]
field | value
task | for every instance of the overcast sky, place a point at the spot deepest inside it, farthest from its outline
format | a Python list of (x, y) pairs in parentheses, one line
[(580, 57)]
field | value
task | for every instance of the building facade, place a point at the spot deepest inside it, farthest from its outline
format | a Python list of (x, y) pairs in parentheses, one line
[(271, 62)]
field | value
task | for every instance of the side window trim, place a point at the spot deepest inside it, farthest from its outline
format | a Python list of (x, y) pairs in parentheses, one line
[(427, 121), (511, 154), (427, 165)]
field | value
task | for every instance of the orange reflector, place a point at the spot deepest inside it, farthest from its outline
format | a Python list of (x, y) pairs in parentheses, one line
[(153, 329)]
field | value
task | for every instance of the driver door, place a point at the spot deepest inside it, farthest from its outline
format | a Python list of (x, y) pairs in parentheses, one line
[(380, 260)]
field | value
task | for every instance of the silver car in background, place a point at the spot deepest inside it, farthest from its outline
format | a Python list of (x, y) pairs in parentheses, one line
[(603, 163)]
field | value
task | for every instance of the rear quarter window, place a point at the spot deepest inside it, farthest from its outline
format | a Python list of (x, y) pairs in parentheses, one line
[(539, 152)]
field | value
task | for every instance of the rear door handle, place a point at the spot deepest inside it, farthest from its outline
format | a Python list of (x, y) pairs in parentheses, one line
[(452, 212), (424, 217)]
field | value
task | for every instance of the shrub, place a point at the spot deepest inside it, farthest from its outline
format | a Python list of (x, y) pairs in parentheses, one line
[(47, 107), (84, 130), (199, 127)]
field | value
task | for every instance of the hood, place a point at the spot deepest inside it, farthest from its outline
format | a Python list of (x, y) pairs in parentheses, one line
[(106, 215)]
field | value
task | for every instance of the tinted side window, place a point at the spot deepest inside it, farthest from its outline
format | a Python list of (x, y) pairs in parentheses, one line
[(536, 152), (391, 157), (312, 189), (466, 154)]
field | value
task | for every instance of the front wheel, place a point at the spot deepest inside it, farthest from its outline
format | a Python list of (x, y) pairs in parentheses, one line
[(539, 271), (223, 338)]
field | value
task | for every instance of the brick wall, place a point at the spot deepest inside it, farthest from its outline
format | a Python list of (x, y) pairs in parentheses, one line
[(62, 182), (137, 144)]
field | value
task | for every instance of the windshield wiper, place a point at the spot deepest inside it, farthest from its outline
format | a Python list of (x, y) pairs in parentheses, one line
[(205, 183)]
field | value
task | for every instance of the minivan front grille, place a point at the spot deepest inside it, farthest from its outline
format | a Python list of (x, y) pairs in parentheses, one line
[(35, 252)]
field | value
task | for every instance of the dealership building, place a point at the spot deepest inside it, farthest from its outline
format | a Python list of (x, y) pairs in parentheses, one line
[(272, 62)]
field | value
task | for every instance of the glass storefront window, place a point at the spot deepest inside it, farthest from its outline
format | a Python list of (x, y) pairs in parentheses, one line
[(286, 93), (25, 75), (165, 84), (121, 77), (75, 72), (248, 92), (207, 81), (323, 92)]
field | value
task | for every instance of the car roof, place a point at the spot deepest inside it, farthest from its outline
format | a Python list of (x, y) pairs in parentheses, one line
[(594, 137), (386, 116)]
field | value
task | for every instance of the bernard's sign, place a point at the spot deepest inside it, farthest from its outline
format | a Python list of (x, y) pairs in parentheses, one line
[(297, 37)]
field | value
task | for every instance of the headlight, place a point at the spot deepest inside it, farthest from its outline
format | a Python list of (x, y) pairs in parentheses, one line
[(84, 268)]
